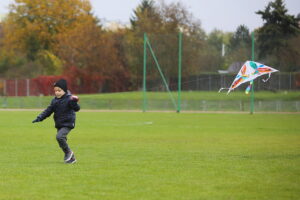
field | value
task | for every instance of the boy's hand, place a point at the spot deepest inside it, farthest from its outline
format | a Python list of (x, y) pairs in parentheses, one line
[(74, 98), (36, 120)]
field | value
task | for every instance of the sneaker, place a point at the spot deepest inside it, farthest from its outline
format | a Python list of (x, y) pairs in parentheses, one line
[(68, 156), (72, 160)]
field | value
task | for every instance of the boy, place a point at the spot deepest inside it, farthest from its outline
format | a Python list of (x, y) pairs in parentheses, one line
[(64, 106)]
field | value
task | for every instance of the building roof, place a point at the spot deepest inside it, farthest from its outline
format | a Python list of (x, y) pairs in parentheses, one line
[(2, 16), (235, 67)]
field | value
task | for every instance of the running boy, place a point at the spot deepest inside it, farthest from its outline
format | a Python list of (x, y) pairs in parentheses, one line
[(64, 106)]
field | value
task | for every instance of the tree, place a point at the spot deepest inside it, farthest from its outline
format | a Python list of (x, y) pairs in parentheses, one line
[(239, 48), (91, 57), (145, 19), (144, 13), (32, 27), (162, 23), (213, 51), (40, 21), (241, 38), (177, 18), (279, 27)]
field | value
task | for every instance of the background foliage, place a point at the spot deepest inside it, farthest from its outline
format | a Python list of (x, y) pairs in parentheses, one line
[(44, 37)]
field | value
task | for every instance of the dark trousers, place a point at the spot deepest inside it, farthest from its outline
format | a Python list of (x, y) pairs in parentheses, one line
[(61, 138)]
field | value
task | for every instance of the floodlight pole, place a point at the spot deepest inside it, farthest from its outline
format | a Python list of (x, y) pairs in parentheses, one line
[(179, 71), (252, 88)]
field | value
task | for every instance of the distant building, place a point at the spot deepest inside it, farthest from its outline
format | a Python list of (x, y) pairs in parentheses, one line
[(233, 68), (114, 26), (1, 30), (2, 17)]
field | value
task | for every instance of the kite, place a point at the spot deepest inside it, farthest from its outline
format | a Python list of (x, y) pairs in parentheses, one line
[(250, 71)]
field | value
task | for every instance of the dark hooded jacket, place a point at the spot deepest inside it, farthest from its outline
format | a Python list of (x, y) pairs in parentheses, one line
[(64, 111)]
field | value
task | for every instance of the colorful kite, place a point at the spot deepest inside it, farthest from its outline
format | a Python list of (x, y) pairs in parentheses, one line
[(250, 71)]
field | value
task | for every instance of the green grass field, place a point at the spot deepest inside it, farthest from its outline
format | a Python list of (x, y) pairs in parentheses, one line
[(152, 156)]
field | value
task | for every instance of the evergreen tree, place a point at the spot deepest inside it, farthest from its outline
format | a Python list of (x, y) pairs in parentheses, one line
[(278, 28), (241, 38), (143, 15), (239, 48)]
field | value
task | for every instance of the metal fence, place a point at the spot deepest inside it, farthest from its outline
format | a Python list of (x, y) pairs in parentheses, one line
[(202, 82), (18, 87), (213, 82)]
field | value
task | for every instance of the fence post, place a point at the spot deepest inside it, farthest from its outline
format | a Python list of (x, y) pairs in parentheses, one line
[(16, 87), (203, 105), (221, 83), (209, 82), (4, 87), (290, 80), (27, 87), (279, 75)]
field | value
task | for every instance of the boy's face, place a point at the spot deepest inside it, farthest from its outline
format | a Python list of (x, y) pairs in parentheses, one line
[(58, 92)]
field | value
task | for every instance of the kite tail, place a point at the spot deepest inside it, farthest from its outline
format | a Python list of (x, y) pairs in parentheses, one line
[(265, 80), (229, 90), (223, 89), (249, 88)]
